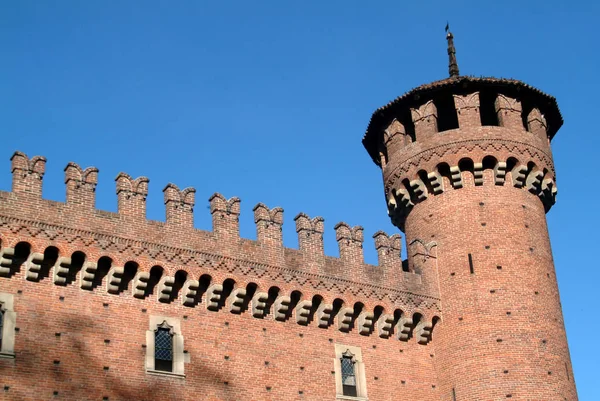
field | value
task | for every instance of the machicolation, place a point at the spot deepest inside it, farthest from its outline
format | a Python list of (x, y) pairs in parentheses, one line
[(283, 282)]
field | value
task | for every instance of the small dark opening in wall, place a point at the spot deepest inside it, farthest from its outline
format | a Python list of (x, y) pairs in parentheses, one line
[(487, 108), (273, 293), (228, 286), (383, 157), (453, 394), (128, 275), (295, 297), (204, 283), (22, 250), (180, 279), (446, 109), (406, 119), (50, 258), (103, 267), (471, 264), (77, 261), (526, 106), (423, 177), (155, 275)]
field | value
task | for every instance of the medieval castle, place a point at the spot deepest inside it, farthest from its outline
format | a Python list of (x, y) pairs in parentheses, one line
[(96, 305)]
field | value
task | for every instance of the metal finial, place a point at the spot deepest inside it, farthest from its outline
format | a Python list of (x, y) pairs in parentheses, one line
[(452, 64)]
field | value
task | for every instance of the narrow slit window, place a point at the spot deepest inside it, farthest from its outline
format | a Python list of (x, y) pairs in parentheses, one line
[(348, 376), (471, 264), (453, 394), (163, 350)]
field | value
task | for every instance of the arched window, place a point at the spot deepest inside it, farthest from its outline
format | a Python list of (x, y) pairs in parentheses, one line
[(349, 369), (348, 374), (163, 348), (165, 354)]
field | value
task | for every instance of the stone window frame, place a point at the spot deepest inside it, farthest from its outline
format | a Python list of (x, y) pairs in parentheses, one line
[(7, 350), (361, 380), (179, 356)]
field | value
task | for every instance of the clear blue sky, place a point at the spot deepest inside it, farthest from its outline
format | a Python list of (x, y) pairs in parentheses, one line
[(269, 100)]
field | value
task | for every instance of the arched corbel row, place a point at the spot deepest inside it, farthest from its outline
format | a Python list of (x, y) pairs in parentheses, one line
[(405, 193), (192, 292)]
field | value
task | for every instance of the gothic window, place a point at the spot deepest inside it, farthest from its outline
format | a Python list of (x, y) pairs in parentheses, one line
[(350, 380), (164, 347), (8, 319), (348, 375)]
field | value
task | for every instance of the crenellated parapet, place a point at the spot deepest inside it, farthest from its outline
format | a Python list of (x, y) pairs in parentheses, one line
[(81, 185), (350, 242), (310, 234), (425, 119), (269, 224), (536, 123), (27, 173), (389, 247), (131, 195), (180, 205), (225, 216), (509, 112), (469, 132), (467, 109), (183, 244), (462, 102)]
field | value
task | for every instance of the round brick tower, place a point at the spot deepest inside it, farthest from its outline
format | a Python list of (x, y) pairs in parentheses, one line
[(467, 166)]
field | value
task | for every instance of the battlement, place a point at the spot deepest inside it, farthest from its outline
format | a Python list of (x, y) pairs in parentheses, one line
[(464, 131), (460, 102), (129, 225)]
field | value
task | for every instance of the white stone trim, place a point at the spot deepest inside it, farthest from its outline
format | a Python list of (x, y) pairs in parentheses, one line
[(179, 358), (361, 380), (8, 328)]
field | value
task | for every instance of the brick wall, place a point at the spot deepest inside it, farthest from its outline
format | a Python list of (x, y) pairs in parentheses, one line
[(83, 305)]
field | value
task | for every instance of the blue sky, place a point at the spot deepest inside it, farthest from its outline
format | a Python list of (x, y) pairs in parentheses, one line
[(269, 100)]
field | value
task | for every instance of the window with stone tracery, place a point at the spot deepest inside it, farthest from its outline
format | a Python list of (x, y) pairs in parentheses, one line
[(350, 380), (348, 375), (164, 347)]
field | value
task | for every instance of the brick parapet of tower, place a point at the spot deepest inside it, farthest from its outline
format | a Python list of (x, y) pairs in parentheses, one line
[(500, 134), (177, 232)]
